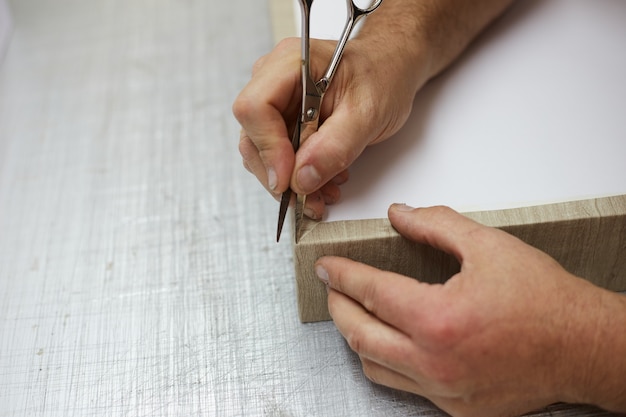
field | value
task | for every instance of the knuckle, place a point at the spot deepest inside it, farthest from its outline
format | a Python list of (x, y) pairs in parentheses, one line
[(483, 237), (267, 149), (243, 107), (258, 64), (440, 211), (445, 378), (288, 45), (357, 339), (247, 150), (341, 155), (442, 331), (372, 298)]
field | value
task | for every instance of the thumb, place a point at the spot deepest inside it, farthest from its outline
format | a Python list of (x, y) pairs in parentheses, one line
[(329, 151), (439, 227)]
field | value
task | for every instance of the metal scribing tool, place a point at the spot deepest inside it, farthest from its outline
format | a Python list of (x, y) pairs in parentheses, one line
[(313, 93)]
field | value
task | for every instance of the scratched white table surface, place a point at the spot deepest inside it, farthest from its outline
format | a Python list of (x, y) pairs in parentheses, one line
[(138, 272)]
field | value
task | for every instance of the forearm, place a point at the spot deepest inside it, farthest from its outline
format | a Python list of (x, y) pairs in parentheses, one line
[(430, 34)]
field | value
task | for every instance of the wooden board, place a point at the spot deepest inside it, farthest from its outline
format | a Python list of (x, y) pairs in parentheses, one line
[(585, 234), (587, 237)]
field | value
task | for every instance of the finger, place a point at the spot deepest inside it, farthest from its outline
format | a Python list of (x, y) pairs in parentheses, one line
[(330, 192), (258, 65), (252, 162), (314, 206), (342, 177), (367, 335), (267, 132), (263, 105), (250, 156), (330, 151), (382, 375), (440, 227), (395, 299)]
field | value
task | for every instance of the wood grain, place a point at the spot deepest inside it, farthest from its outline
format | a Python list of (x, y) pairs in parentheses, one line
[(587, 237)]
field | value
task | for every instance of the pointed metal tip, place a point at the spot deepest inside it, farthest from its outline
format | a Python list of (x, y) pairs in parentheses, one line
[(278, 232), (282, 212)]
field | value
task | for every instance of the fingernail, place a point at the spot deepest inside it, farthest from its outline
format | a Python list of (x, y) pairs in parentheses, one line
[(272, 179), (403, 207), (322, 274), (310, 214), (308, 178)]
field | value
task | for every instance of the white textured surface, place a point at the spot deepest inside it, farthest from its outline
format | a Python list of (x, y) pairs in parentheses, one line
[(533, 113), (138, 273), (6, 25)]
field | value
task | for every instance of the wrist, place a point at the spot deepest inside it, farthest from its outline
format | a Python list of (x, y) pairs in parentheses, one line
[(392, 36), (430, 33), (596, 344)]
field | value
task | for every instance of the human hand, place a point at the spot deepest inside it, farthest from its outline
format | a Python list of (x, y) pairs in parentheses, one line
[(369, 99), (511, 332)]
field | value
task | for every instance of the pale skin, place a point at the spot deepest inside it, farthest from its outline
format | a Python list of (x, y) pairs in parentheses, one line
[(512, 331), (400, 47)]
